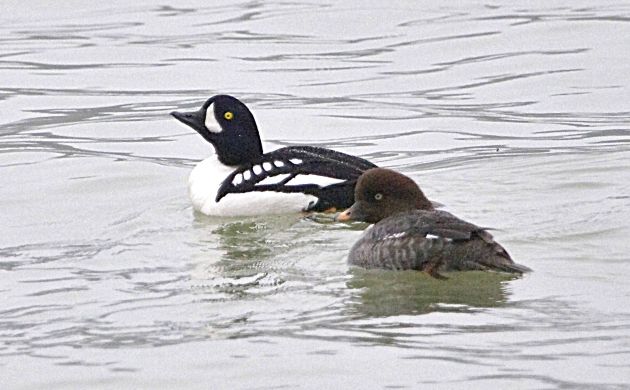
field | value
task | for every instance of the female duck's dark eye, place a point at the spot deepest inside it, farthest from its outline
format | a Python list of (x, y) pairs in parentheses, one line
[(378, 196)]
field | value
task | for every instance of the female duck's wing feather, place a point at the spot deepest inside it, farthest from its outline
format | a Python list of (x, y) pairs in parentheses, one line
[(289, 167), (428, 240), (420, 222)]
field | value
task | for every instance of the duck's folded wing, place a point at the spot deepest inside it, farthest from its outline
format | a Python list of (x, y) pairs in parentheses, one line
[(434, 223), (284, 170), (437, 226), (412, 240)]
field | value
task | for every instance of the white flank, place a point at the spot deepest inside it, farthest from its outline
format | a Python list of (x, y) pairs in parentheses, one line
[(211, 122), (205, 180)]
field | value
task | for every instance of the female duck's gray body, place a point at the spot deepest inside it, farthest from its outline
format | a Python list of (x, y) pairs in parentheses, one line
[(410, 234), (435, 240)]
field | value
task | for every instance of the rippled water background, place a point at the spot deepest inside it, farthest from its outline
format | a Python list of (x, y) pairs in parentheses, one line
[(513, 116)]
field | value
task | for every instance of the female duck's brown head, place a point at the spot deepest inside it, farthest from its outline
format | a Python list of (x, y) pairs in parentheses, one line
[(382, 192)]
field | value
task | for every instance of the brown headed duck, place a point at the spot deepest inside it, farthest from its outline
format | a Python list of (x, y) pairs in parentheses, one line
[(408, 233)]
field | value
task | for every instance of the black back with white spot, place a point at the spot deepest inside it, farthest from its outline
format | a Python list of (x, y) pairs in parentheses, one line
[(300, 160)]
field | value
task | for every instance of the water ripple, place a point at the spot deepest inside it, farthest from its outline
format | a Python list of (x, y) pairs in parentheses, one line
[(513, 116)]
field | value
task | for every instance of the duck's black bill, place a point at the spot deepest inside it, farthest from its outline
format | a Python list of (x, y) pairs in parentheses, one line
[(193, 119)]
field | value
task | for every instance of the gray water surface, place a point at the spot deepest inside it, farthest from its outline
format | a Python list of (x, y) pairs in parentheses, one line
[(513, 116)]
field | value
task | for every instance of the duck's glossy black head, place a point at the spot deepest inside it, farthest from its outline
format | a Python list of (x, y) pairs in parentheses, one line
[(380, 193), (229, 126)]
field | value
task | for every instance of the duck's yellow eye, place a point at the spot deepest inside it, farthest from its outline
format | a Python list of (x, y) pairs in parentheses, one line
[(378, 196), (228, 115)]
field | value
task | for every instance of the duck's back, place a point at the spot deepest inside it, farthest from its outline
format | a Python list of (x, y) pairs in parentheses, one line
[(430, 240)]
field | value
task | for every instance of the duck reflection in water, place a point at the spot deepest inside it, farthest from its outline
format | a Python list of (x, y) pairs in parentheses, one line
[(241, 254), (384, 293)]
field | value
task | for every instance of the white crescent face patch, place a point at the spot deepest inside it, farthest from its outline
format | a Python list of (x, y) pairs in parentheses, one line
[(211, 122)]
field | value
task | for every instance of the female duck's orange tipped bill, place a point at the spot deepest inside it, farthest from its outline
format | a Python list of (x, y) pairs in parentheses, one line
[(343, 217)]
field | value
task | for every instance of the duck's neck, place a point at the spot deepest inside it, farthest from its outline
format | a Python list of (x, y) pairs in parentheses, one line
[(236, 154), (422, 203)]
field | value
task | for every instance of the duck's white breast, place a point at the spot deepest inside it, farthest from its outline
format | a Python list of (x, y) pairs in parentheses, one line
[(206, 178)]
